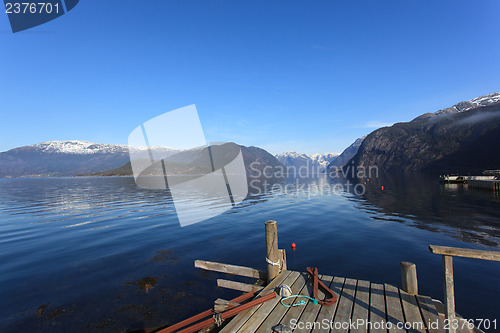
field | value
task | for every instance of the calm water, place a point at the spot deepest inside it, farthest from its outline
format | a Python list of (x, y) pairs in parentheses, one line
[(101, 254)]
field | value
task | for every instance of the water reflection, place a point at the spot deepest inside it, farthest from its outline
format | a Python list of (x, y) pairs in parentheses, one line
[(91, 253), (471, 216)]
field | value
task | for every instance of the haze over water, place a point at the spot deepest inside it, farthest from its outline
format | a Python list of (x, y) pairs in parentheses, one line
[(101, 253)]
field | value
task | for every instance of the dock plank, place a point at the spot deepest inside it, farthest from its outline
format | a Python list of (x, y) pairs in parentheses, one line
[(279, 311), (344, 310), (295, 312), (377, 309), (326, 313), (266, 308), (412, 312), (430, 315), (394, 309), (375, 305), (361, 306), (311, 310), (235, 324)]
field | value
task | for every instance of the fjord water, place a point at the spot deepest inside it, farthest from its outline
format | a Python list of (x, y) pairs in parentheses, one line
[(86, 254)]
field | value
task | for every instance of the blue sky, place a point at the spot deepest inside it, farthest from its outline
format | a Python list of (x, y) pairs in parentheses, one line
[(309, 76)]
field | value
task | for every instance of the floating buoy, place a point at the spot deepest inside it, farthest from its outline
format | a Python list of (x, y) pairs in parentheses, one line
[(294, 246), (382, 187)]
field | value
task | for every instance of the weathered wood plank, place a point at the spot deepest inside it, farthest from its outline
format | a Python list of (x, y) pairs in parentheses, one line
[(344, 310), (266, 309), (361, 307), (283, 259), (294, 313), (411, 312), (240, 319), (430, 315), (240, 286), (279, 311), (449, 292), (221, 305), (326, 313), (311, 310), (230, 269), (377, 309), (467, 253), (394, 310)]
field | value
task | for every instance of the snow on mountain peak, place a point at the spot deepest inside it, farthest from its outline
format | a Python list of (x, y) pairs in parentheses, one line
[(313, 161), (78, 147)]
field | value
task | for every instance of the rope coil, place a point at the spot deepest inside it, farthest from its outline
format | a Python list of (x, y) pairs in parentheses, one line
[(302, 302), (273, 263)]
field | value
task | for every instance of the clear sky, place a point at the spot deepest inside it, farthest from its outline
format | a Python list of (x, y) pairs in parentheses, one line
[(309, 76)]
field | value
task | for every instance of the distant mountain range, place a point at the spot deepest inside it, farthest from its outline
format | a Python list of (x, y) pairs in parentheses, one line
[(197, 161), (461, 139), (72, 158), (315, 163), (64, 158)]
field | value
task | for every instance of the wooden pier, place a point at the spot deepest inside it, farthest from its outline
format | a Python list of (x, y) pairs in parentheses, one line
[(361, 306), (485, 184)]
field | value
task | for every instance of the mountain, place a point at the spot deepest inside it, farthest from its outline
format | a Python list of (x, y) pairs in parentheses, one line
[(346, 155), (315, 163), (197, 161), (65, 158), (460, 139)]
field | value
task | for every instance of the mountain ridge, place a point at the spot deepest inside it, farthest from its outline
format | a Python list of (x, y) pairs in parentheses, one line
[(459, 139), (76, 158)]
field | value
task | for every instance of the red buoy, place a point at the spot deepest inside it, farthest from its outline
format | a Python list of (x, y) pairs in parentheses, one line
[(294, 246), (382, 187)]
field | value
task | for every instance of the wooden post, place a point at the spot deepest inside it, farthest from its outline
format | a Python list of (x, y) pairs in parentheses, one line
[(449, 293), (409, 277), (283, 260), (273, 256)]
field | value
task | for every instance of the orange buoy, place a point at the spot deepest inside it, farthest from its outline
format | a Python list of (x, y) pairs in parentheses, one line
[(294, 246), (382, 187)]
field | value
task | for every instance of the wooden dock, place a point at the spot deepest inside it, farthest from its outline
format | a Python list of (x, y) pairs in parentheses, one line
[(485, 184), (361, 307)]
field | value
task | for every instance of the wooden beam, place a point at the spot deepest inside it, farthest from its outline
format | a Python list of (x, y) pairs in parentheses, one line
[(221, 305), (467, 253), (409, 277), (449, 293), (230, 269), (240, 286)]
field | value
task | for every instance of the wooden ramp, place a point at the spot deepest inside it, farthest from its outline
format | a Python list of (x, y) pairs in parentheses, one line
[(361, 307)]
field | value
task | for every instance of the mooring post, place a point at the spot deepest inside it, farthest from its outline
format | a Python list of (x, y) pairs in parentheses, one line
[(409, 277), (273, 255)]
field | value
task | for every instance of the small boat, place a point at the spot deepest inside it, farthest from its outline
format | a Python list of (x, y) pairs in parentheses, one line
[(452, 179)]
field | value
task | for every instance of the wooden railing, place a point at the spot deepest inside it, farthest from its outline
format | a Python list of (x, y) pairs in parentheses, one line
[(448, 253)]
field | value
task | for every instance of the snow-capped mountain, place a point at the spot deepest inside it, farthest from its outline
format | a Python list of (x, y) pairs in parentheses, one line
[(461, 139), (86, 148), (315, 163), (481, 101), (67, 158)]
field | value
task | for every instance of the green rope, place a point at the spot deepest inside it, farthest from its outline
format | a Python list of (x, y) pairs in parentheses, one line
[(315, 301)]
